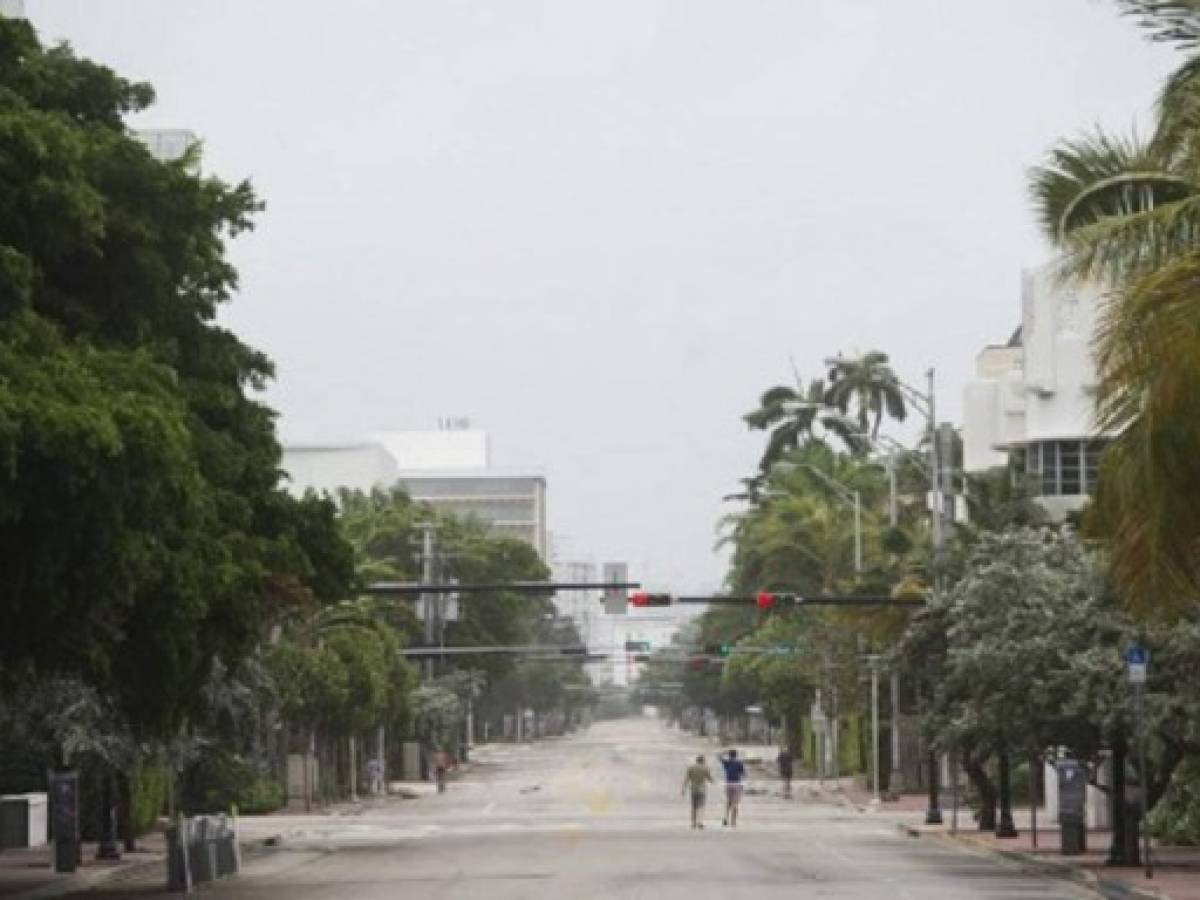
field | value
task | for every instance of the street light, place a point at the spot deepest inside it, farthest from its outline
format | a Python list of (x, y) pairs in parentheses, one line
[(925, 403), (873, 661)]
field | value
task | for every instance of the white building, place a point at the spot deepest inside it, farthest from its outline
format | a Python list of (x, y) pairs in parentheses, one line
[(166, 144), (1032, 398), (449, 469)]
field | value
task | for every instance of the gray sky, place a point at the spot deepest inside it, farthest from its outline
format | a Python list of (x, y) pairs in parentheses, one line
[(600, 228)]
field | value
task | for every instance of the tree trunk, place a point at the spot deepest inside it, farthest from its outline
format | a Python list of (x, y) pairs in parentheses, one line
[(125, 812), (987, 793), (106, 847), (1005, 828), (309, 749)]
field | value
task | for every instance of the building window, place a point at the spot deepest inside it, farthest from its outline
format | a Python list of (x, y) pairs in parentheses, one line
[(1063, 468), (1070, 480), (1091, 464), (1050, 482)]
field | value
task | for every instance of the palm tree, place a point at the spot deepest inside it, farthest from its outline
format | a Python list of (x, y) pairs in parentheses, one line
[(869, 384), (793, 415), (1125, 213), (790, 414)]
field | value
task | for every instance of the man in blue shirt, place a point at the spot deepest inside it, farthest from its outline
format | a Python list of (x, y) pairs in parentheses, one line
[(735, 774)]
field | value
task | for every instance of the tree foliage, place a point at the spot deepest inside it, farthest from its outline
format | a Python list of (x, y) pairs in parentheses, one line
[(142, 532)]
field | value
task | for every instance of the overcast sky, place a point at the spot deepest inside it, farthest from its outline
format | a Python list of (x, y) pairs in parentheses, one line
[(600, 228)]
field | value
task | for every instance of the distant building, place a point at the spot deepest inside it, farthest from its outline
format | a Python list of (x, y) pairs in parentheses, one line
[(450, 469), (1031, 400), (166, 144)]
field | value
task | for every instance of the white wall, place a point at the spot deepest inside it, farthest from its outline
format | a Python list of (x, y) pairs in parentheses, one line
[(447, 449), (358, 467), (1058, 327), (993, 408), (1042, 390)]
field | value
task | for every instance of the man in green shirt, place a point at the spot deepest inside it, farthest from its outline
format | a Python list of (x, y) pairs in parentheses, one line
[(696, 779)]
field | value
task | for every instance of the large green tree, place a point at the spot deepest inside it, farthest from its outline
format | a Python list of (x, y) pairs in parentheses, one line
[(142, 533)]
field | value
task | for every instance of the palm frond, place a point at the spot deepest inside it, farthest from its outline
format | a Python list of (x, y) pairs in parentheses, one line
[(1096, 176), (1178, 128), (1114, 249), (1148, 356), (1168, 21), (771, 407)]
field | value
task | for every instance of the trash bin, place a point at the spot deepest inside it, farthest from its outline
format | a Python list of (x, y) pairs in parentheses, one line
[(226, 852), (203, 849), (1072, 797)]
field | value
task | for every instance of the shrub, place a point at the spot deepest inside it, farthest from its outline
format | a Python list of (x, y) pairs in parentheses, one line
[(221, 780), (147, 795), (1175, 819)]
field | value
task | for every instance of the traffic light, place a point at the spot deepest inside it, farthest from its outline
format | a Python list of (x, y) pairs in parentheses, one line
[(766, 600), (642, 599)]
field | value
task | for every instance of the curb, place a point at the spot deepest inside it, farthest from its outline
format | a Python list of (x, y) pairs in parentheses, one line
[(1035, 865), (80, 882), (85, 881)]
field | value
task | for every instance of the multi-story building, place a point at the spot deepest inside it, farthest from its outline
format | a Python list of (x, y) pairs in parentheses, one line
[(1031, 401), (450, 469)]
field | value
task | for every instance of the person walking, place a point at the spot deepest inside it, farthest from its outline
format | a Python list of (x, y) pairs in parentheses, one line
[(441, 765), (697, 778), (786, 761), (735, 775)]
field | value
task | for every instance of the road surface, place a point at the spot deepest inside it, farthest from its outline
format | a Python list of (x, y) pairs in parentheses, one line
[(599, 815)]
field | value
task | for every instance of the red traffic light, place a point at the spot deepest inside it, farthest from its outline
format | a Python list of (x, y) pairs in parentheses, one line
[(643, 599), (765, 600)]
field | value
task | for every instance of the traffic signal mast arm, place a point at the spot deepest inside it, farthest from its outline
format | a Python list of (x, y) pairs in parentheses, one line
[(519, 587), (771, 600)]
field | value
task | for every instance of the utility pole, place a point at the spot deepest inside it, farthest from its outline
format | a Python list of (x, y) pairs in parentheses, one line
[(895, 777), (873, 660), (429, 602), (857, 533), (893, 509), (933, 815)]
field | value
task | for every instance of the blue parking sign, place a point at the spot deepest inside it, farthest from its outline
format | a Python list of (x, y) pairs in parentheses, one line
[(1137, 656)]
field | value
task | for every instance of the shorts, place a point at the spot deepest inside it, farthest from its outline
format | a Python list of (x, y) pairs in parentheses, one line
[(733, 792), (697, 799)]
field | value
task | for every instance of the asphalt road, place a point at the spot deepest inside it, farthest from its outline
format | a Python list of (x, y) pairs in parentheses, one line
[(599, 815)]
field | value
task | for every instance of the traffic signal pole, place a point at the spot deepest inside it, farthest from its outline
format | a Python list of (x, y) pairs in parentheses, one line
[(933, 815)]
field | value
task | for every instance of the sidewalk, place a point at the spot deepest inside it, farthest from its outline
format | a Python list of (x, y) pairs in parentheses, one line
[(1176, 869), (26, 873)]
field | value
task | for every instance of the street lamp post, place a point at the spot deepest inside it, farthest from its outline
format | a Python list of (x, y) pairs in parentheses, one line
[(927, 403), (873, 661)]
